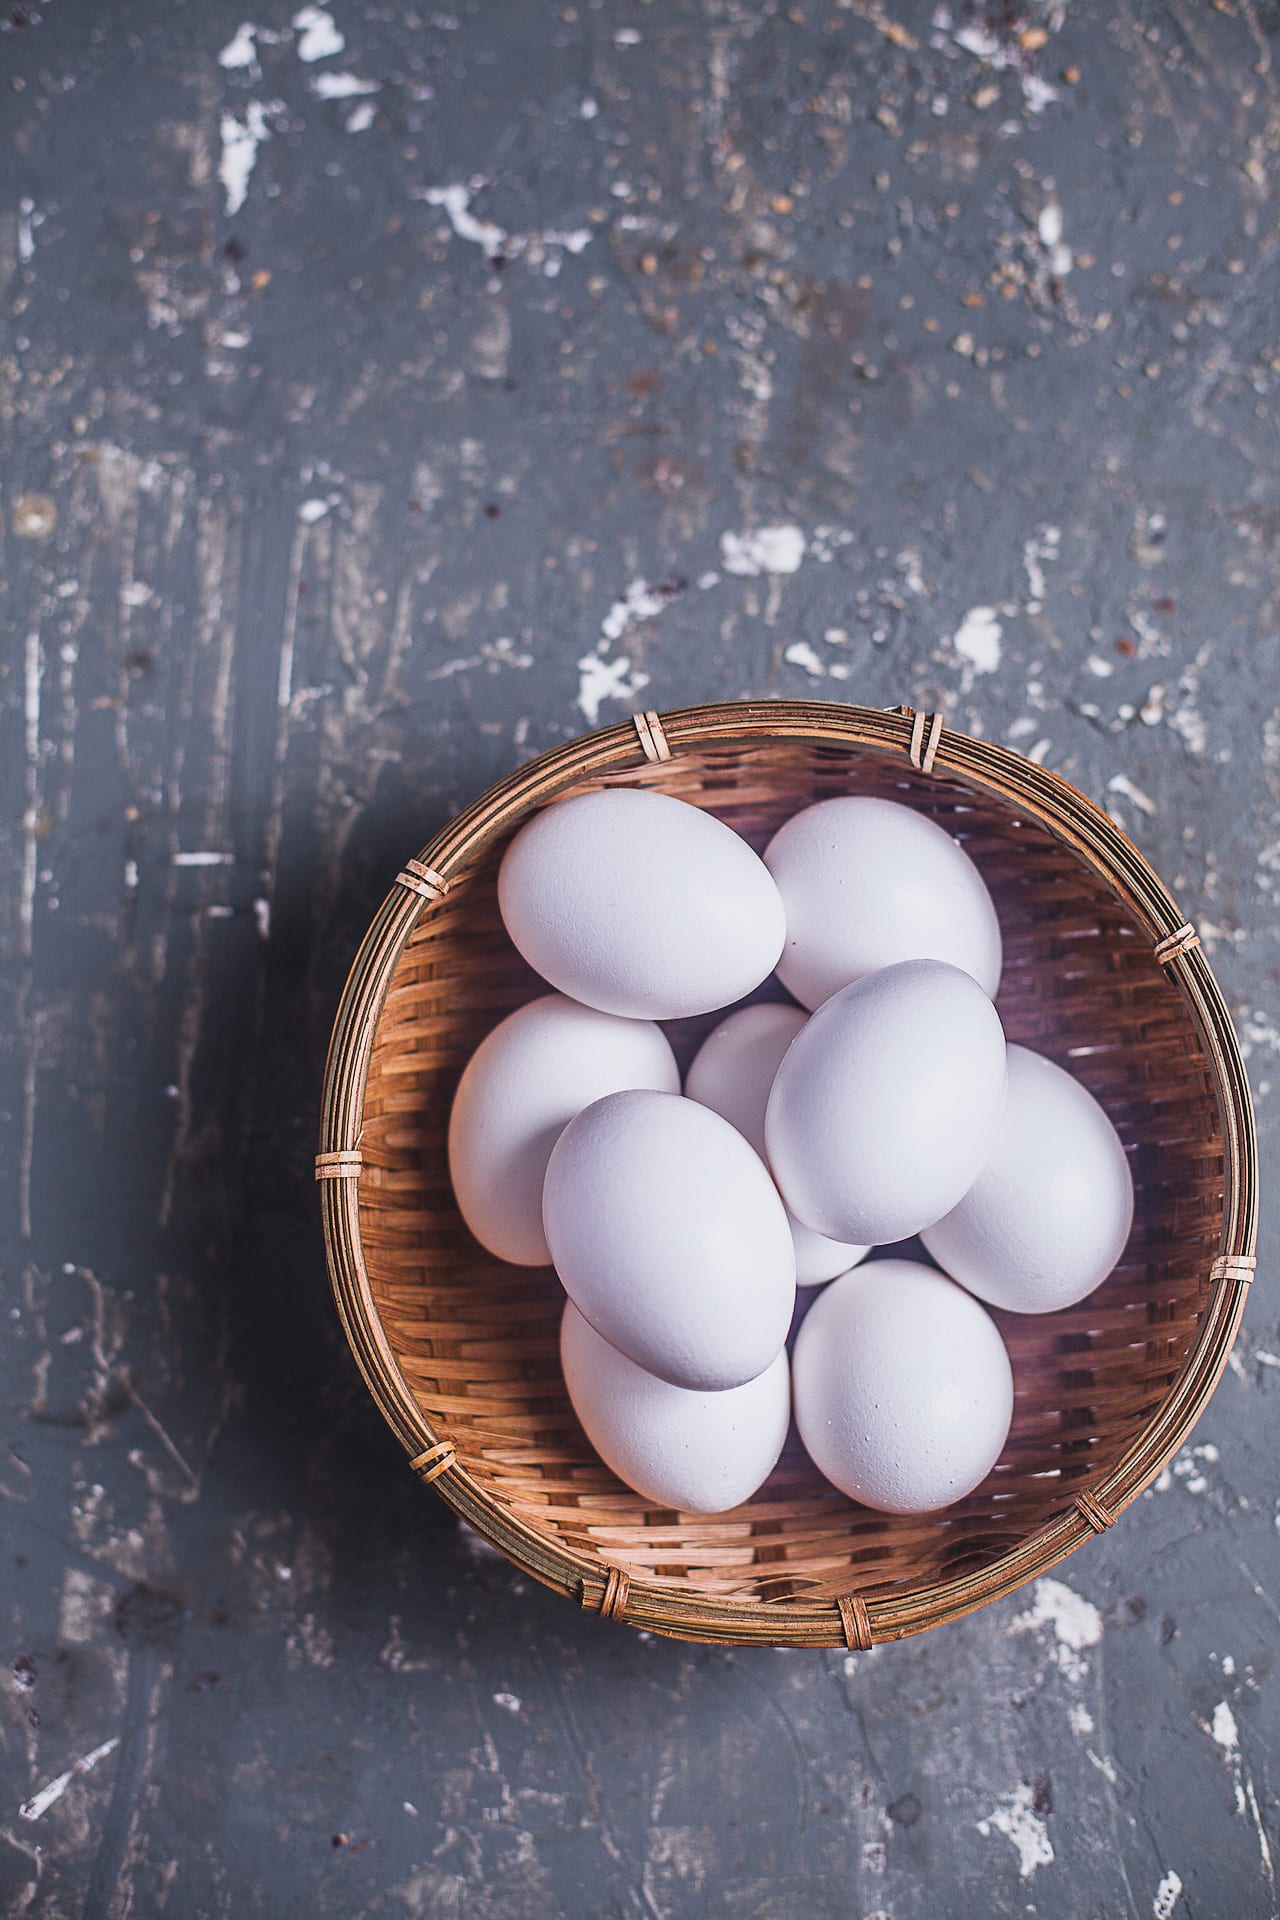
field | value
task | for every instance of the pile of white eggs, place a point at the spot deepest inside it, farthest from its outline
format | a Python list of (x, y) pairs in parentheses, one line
[(885, 1105)]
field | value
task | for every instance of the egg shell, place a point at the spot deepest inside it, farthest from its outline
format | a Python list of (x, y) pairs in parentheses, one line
[(866, 883), (699, 1452), (886, 1104), (1048, 1216), (640, 904), (732, 1073), (520, 1088), (902, 1386), (670, 1238)]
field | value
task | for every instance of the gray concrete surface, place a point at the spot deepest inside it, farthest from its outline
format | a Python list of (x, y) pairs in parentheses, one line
[(386, 395)]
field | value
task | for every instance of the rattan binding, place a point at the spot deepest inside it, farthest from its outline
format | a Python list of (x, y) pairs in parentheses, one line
[(460, 1352)]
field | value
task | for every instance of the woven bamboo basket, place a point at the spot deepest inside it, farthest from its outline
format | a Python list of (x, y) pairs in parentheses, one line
[(1102, 972)]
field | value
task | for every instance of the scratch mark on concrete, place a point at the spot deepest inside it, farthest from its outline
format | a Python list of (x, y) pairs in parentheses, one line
[(1225, 1734)]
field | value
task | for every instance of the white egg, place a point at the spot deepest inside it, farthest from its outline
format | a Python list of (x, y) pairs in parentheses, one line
[(699, 1452), (866, 883), (887, 1102), (519, 1090), (1047, 1218), (732, 1073), (670, 1238), (902, 1385), (640, 904)]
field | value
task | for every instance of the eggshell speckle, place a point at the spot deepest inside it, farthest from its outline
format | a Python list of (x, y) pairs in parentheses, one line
[(732, 1073), (640, 904), (699, 1452), (1048, 1216), (867, 883), (670, 1238), (903, 1388), (520, 1088), (886, 1104)]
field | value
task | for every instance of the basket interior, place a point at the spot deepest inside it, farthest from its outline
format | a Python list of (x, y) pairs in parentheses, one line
[(477, 1340)]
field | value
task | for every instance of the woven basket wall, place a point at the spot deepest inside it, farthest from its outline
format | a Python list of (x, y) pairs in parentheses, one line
[(460, 1351)]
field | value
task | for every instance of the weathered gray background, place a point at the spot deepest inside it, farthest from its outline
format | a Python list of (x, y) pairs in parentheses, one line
[(387, 394)]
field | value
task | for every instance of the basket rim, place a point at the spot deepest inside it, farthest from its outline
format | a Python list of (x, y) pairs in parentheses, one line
[(1037, 793)]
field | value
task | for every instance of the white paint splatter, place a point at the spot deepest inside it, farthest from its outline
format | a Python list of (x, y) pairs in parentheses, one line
[(1017, 1820), (1191, 725), (241, 139), (1080, 1718), (600, 680), (1121, 783), (320, 38), (361, 117), (571, 239), (1223, 1728), (1036, 554), (1037, 93), (456, 201), (978, 639), (911, 567), (40, 1803), (1188, 1469), (1049, 229), (312, 510), (341, 86), (26, 235), (203, 858), (777, 549), (1166, 1896), (239, 50), (262, 917), (801, 654), (509, 1702), (639, 602), (1100, 668), (1075, 1621)]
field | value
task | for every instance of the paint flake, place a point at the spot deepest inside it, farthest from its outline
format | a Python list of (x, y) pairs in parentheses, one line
[(1018, 1821), (600, 680), (1167, 1894), (320, 37), (342, 86), (1075, 1621), (241, 139), (978, 638), (777, 549), (239, 50)]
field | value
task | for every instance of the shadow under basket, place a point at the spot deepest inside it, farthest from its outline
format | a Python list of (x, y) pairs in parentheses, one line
[(460, 1351)]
